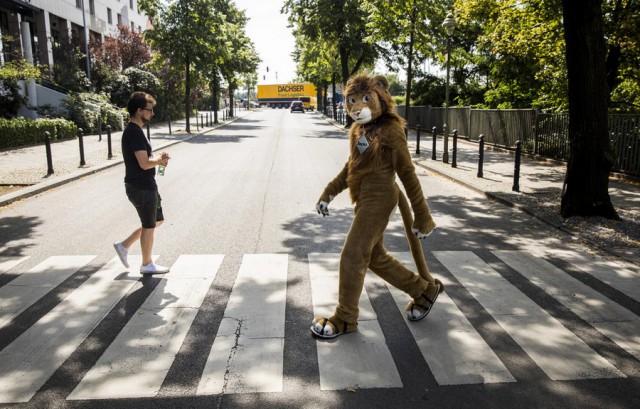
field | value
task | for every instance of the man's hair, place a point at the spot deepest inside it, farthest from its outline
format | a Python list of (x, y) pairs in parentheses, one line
[(139, 100)]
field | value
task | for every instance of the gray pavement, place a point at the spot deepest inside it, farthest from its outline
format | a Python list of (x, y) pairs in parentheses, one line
[(540, 183)]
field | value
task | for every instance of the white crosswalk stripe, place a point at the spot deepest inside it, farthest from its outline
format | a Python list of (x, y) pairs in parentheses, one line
[(138, 360), (616, 322), (36, 354), (247, 353), (556, 350), (453, 349), (22, 292), (7, 263), (348, 362)]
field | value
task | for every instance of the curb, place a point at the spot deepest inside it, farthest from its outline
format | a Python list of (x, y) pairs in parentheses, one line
[(37, 188)]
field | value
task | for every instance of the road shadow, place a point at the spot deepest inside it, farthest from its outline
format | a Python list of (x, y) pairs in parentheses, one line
[(14, 230)]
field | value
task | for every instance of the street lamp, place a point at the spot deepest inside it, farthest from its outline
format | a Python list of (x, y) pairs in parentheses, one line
[(449, 25)]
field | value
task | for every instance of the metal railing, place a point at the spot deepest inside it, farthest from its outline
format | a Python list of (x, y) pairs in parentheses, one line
[(544, 134)]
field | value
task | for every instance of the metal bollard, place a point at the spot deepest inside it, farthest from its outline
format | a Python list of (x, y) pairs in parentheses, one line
[(516, 170), (201, 121), (445, 149), (47, 145), (99, 128), (454, 163), (169, 120), (148, 131), (433, 154), (418, 139), (82, 162), (481, 156), (109, 152)]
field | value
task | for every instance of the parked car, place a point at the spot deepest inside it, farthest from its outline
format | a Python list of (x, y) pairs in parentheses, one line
[(297, 106)]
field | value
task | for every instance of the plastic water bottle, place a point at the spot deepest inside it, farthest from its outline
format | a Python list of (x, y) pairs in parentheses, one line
[(161, 170)]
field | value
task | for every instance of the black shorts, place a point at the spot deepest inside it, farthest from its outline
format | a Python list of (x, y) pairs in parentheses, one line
[(148, 203)]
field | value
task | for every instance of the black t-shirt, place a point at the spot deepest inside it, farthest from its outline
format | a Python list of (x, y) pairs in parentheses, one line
[(133, 139)]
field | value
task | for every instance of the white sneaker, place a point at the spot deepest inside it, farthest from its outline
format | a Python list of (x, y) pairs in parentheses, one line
[(122, 253), (153, 268)]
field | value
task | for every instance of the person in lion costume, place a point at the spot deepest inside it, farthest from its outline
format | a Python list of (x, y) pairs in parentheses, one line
[(378, 151)]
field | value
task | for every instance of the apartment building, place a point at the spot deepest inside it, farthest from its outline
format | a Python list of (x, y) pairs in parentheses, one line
[(34, 26)]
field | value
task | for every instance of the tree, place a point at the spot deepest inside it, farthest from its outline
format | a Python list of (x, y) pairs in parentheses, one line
[(10, 73), (339, 23), (182, 32), (586, 190), (407, 27)]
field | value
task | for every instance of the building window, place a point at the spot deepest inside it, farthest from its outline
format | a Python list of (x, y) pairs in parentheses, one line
[(92, 7), (79, 4), (109, 18), (133, 26), (131, 4), (119, 19)]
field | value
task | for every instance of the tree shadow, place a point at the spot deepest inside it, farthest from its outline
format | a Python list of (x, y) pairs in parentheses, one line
[(14, 231)]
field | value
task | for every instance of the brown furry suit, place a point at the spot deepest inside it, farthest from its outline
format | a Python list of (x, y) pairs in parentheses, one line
[(378, 152)]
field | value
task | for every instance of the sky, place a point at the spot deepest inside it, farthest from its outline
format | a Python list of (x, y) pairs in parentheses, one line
[(267, 29)]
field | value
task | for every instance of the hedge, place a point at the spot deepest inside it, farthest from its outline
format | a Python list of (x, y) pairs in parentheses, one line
[(22, 131)]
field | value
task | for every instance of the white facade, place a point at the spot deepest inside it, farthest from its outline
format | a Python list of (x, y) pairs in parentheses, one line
[(36, 25), (53, 20)]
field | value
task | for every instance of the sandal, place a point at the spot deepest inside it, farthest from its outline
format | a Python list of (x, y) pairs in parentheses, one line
[(411, 307), (320, 329)]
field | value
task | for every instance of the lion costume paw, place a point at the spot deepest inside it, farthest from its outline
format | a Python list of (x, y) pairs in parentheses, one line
[(420, 307), (327, 328)]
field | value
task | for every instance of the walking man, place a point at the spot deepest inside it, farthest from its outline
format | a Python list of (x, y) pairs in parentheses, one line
[(140, 183)]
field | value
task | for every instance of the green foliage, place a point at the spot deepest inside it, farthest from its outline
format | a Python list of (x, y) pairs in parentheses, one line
[(22, 131), (10, 73), (86, 110)]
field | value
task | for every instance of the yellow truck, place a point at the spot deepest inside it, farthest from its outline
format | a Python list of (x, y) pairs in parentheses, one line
[(281, 95)]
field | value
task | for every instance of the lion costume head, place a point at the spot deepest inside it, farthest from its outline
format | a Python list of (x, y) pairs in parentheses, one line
[(368, 98)]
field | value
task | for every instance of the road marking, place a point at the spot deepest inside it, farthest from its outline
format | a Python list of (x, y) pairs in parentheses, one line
[(7, 263), (451, 346), (248, 352), (358, 360), (613, 274), (136, 363), (27, 363), (556, 350), (614, 321), (22, 292)]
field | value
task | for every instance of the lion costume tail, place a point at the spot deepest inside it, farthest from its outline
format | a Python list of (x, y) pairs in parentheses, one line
[(414, 242)]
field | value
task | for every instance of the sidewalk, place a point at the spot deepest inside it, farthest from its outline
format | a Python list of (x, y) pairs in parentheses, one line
[(540, 189), (23, 171)]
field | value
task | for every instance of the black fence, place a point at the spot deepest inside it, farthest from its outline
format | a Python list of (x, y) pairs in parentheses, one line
[(541, 134)]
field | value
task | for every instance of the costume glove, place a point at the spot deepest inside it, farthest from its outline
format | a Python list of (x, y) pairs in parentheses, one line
[(323, 208)]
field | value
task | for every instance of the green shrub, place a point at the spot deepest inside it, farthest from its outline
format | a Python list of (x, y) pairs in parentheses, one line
[(87, 109), (22, 131)]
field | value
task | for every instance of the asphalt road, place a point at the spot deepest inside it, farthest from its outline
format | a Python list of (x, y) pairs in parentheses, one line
[(243, 198)]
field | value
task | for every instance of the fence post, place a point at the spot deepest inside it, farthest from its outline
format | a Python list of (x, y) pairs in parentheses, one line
[(454, 163), (516, 170), (82, 162), (169, 120), (109, 152), (481, 156), (433, 153), (418, 139), (47, 145)]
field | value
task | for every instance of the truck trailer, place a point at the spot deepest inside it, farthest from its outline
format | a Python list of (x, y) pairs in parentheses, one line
[(281, 95)]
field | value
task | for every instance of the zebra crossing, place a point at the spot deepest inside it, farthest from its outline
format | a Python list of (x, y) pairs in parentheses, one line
[(247, 353)]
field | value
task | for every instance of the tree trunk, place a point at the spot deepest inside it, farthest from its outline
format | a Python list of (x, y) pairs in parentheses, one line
[(214, 96), (407, 97), (187, 94), (586, 190)]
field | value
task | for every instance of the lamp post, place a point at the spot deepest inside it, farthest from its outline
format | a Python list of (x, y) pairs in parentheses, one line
[(449, 25)]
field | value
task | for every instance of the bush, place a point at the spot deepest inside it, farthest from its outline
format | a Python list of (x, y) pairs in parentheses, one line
[(22, 131), (87, 109)]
